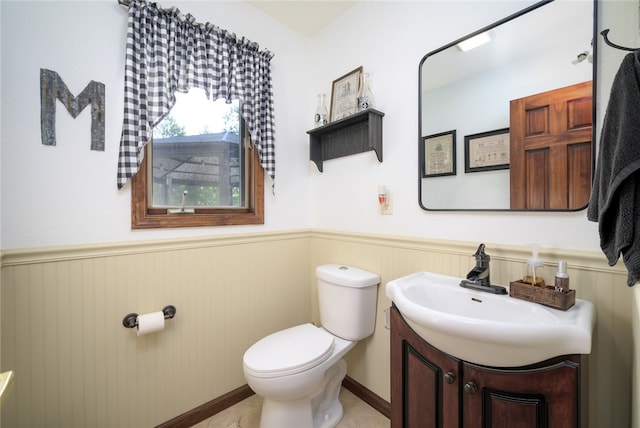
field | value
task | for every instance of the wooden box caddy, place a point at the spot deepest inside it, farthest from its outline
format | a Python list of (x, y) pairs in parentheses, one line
[(545, 296)]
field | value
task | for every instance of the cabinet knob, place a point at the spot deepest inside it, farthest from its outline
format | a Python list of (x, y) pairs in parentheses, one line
[(470, 388), (449, 377)]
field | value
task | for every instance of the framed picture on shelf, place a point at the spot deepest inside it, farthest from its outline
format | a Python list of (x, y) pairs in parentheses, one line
[(344, 95), (439, 154), (487, 151)]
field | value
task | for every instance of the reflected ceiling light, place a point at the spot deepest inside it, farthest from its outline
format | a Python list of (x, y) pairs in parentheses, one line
[(474, 42)]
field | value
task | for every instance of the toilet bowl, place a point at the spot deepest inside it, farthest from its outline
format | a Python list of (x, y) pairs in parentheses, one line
[(299, 371), (301, 387)]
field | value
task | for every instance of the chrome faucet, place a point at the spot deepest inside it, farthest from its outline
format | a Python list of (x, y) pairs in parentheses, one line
[(479, 278)]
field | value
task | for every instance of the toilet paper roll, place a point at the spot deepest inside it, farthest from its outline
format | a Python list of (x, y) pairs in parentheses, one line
[(150, 323)]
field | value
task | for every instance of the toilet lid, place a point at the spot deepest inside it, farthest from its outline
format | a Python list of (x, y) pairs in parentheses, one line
[(289, 351)]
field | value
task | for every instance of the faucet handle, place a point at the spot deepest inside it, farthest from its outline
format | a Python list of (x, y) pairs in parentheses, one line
[(480, 254)]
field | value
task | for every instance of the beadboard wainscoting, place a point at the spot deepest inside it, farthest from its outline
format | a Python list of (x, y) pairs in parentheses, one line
[(77, 366), (393, 257)]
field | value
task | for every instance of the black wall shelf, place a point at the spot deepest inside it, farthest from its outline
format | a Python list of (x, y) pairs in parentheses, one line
[(353, 134)]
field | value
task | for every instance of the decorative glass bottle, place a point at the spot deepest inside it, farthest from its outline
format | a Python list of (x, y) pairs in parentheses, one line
[(321, 111), (365, 99)]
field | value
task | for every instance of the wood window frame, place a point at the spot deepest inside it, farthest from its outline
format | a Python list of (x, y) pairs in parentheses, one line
[(145, 217)]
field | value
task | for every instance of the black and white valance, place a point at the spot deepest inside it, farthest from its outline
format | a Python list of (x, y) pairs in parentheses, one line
[(168, 52)]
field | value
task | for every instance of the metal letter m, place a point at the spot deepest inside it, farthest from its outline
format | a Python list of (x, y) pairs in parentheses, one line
[(51, 88)]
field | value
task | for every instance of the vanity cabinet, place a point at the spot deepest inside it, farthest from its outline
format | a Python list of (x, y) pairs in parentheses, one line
[(430, 388), (425, 382), (357, 133)]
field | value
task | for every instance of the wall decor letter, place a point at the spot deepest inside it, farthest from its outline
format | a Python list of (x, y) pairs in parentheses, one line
[(51, 88)]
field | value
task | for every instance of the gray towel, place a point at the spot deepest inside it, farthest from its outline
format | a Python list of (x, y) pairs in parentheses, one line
[(615, 194)]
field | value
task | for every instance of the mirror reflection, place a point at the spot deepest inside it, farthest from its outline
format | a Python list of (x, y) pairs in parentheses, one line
[(508, 125)]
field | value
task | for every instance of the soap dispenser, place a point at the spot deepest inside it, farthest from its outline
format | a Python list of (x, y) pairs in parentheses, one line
[(562, 277), (535, 266)]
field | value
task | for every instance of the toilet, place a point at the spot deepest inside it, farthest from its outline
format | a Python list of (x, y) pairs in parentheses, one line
[(299, 371)]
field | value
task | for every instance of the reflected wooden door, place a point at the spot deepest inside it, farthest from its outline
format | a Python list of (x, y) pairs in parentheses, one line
[(550, 165)]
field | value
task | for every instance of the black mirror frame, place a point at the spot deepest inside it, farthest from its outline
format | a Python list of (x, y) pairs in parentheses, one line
[(482, 30)]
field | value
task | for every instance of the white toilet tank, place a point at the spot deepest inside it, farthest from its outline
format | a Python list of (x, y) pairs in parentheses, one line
[(347, 297)]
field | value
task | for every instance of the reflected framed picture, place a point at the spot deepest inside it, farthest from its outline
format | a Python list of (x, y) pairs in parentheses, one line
[(344, 95), (439, 154), (487, 151)]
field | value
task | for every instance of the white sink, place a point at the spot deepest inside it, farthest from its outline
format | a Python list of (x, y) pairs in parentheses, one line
[(489, 329)]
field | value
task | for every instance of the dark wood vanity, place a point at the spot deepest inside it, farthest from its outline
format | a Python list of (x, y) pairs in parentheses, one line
[(430, 388)]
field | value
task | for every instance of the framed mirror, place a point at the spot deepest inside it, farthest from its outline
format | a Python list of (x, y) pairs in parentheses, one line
[(510, 124)]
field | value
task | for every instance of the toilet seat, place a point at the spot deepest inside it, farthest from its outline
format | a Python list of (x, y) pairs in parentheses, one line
[(289, 351)]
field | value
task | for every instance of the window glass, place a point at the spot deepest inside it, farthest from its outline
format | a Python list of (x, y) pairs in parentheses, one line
[(197, 155)]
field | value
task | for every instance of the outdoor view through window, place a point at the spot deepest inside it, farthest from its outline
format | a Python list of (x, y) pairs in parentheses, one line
[(197, 149)]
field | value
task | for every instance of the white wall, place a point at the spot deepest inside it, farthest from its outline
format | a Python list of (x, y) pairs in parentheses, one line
[(67, 194), (389, 39)]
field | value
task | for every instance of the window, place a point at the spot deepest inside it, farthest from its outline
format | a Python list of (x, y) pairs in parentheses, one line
[(200, 169), (168, 53)]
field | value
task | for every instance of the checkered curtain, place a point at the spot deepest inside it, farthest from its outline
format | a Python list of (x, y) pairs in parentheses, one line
[(168, 52)]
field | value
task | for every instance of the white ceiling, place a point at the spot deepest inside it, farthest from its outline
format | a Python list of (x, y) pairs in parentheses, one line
[(306, 16)]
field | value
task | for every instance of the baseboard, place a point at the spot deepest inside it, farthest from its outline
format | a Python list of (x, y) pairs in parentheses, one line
[(368, 396), (207, 410)]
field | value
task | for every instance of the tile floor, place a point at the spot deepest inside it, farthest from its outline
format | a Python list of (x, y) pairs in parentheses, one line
[(246, 414)]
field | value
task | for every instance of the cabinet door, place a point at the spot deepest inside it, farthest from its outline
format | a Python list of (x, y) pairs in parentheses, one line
[(545, 396), (424, 381)]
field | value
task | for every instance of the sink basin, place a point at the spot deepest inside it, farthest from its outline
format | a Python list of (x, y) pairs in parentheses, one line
[(489, 329)]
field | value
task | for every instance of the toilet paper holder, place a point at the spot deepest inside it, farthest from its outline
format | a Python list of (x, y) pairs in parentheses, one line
[(131, 320)]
